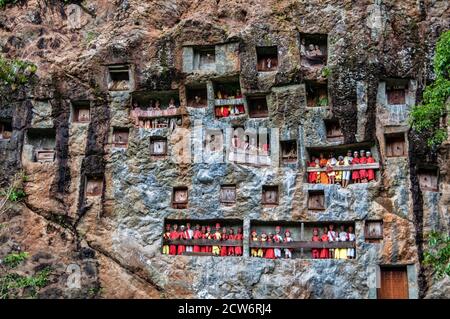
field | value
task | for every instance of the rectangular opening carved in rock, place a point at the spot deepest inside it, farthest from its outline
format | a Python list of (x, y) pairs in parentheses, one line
[(157, 109), (5, 130), (373, 231), (203, 237), (250, 146), (81, 111), (297, 239), (334, 132), (204, 58), (180, 197), (94, 186), (288, 151), (343, 164), (395, 144), (393, 283), (228, 98), (267, 58), (228, 194), (313, 49), (428, 179), (158, 146), (119, 78), (396, 90), (316, 200), (257, 106), (120, 137), (197, 95), (41, 142), (317, 94), (270, 195)]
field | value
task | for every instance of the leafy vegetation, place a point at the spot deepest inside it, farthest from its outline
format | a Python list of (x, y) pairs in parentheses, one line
[(438, 255), (14, 285), (14, 259), (15, 72), (426, 116)]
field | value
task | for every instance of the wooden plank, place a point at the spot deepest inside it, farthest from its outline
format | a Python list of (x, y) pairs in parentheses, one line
[(346, 168), (303, 244), (203, 242), (224, 102)]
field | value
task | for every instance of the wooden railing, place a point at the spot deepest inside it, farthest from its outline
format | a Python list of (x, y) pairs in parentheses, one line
[(224, 102), (303, 244), (258, 244), (139, 113), (345, 168), (203, 242)]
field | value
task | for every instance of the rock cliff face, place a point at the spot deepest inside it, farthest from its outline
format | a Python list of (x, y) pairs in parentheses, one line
[(114, 240)]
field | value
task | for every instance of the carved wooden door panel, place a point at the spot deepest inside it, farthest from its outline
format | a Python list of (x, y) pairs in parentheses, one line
[(393, 283)]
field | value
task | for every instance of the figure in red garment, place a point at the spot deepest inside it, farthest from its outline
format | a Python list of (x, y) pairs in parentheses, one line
[(203, 249), (363, 172), (324, 251), (370, 172), (240, 237), (223, 249), (355, 173), (197, 235), (312, 176), (173, 236), (231, 236), (270, 254), (315, 238), (181, 235), (208, 236)]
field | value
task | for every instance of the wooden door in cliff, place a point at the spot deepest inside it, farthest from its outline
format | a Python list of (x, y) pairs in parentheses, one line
[(393, 283)]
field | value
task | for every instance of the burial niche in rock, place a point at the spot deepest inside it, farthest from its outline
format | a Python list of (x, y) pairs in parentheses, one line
[(5, 130), (428, 179), (81, 111), (316, 94), (250, 146), (228, 194), (228, 98), (288, 151), (157, 109), (180, 197), (158, 146), (94, 186), (373, 231), (204, 58), (342, 164), (120, 137), (316, 200), (41, 142), (205, 237), (197, 95), (270, 195), (119, 77), (267, 58), (313, 49), (257, 106), (334, 132), (307, 240), (396, 91), (395, 144)]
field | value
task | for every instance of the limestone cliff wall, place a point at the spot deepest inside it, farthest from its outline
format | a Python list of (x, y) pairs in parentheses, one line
[(115, 239)]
